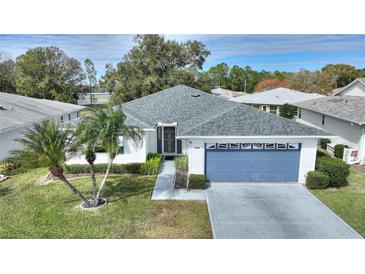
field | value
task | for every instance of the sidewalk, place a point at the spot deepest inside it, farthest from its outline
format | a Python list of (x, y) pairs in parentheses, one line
[(164, 186)]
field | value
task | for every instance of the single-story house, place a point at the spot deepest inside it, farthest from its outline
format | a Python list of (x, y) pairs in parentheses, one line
[(271, 100), (342, 116), (226, 93), (355, 88), (223, 140), (18, 113)]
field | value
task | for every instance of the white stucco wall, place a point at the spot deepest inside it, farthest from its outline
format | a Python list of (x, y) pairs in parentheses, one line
[(345, 132), (133, 153), (7, 141), (196, 154), (354, 90)]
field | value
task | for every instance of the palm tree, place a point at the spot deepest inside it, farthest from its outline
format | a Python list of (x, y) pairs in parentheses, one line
[(47, 145), (87, 141), (111, 123)]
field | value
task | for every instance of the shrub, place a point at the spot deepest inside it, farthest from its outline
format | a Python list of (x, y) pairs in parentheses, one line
[(336, 169), (152, 164), (196, 181), (321, 153), (324, 143), (101, 168), (338, 151), (317, 180), (10, 166), (181, 163), (153, 155), (287, 111)]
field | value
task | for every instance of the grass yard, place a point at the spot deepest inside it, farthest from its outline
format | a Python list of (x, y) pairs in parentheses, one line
[(51, 211), (348, 202)]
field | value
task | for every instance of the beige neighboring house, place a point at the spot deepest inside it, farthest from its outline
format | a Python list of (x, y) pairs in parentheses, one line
[(355, 88), (271, 100), (226, 93), (18, 113)]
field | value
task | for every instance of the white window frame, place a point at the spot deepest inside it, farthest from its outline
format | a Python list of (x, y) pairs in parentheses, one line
[(281, 148), (211, 146), (248, 146), (223, 144), (295, 146), (261, 144), (234, 144), (270, 144)]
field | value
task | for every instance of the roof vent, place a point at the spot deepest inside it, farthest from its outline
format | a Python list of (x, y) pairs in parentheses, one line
[(195, 95)]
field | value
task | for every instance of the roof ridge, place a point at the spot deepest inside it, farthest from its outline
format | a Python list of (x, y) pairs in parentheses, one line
[(213, 117)]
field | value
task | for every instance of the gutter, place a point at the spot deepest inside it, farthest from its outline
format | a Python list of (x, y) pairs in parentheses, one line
[(258, 137)]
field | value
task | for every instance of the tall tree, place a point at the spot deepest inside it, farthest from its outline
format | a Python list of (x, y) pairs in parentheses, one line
[(272, 83), (47, 145), (154, 63), (7, 73), (219, 75), (342, 74), (91, 77), (237, 78), (48, 73)]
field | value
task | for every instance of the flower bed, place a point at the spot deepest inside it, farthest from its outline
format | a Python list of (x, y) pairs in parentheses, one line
[(181, 173)]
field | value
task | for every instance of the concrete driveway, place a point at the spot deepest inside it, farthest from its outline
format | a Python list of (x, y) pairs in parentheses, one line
[(271, 211)]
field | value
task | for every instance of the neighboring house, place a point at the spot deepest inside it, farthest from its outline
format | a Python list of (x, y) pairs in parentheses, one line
[(271, 100), (343, 116), (355, 88), (226, 93), (223, 140), (95, 98), (18, 113)]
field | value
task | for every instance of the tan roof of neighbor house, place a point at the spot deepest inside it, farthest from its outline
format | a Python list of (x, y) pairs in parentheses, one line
[(227, 92), (18, 111)]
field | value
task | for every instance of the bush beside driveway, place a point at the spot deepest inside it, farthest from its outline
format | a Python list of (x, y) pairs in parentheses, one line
[(347, 202), (51, 211)]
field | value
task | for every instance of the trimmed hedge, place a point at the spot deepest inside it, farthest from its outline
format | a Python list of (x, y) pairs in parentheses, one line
[(10, 166), (317, 180), (324, 143), (321, 153), (336, 169), (101, 168), (196, 181), (338, 151)]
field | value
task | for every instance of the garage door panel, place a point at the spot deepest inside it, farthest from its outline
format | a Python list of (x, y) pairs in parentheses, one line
[(252, 165)]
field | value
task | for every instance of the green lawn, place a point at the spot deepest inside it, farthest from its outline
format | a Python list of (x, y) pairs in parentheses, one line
[(51, 211), (348, 202)]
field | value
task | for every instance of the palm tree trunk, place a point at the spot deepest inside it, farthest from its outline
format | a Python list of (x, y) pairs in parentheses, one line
[(93, 180), (105, 178), (74, 190)]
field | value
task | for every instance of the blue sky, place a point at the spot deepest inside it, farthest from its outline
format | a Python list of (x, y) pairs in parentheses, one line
[(268, 52)]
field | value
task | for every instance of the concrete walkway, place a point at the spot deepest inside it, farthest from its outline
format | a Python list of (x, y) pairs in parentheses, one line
[(164, 186), (272, 211)]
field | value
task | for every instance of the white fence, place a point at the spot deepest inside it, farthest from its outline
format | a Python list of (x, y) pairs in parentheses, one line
[(98, 98), (350, 155)]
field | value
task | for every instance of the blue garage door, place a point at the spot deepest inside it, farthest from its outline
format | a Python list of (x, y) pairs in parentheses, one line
[(252, 162)]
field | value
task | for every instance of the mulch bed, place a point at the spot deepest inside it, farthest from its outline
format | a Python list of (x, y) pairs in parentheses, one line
[(181, 179)]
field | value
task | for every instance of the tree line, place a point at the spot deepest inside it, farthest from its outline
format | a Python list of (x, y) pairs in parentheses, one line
[(153, 64)]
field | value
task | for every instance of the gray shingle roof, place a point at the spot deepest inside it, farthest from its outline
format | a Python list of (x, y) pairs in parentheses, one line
[(17, 111), (247, 121), (349, 108), (199, 113)]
